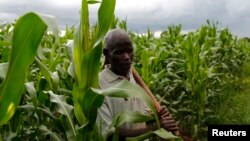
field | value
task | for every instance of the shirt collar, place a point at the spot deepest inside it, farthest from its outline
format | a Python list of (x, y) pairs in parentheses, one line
[(111, 76)]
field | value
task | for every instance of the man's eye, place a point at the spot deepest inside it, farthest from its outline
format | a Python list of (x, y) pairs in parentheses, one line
[(130, 51), (118, 52)]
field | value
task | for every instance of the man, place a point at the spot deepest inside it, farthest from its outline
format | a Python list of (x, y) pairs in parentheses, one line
[(118, 52)]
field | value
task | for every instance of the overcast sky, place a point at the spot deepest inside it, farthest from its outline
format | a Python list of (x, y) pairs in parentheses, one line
[(143, 14)]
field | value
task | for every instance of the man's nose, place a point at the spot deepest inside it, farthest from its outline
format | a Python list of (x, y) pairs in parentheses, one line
[(125, 56)]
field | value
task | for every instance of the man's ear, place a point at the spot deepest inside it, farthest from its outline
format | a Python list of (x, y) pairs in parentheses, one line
[(105, 52)]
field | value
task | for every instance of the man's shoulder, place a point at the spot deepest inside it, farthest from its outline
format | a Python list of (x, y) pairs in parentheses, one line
[(103, 80), (107, 78), (102, 74)]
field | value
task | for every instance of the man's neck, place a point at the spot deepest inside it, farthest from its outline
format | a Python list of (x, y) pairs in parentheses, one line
[(125, 75)]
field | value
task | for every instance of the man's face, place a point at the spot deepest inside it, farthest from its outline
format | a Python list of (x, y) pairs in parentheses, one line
[(120, 58)]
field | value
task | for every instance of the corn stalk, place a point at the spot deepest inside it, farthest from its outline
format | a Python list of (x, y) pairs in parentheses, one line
[(87, 52)]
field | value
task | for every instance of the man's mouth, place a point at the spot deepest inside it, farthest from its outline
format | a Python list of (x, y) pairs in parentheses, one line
[(126, 65)]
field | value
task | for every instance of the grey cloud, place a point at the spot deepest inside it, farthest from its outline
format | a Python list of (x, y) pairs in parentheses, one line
[(195, 15), (157, 15)]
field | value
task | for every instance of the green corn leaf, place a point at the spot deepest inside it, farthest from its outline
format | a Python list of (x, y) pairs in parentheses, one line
[(69, 49), (65, 109), (45, 71), (77, 98), (5, 52), (40, 53), (91, 102), (84, 27), (45, 131), (10, 136), (145, 65), (67, 128), (52, 78), (55, 80), (105, 18), (141, 137), (93, 1), (52, 24), (4, 43), (166, 135), (126, 89), (130, 116), (31, 107), (32, 91), (77, 55), (3, 70), (91, 67), (27, 35), (71, 70), (160, 133)]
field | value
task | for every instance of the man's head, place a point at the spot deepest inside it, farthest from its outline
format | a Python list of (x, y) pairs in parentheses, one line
[(119, 51)]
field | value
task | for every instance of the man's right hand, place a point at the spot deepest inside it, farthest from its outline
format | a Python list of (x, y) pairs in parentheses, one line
[(166, 120)]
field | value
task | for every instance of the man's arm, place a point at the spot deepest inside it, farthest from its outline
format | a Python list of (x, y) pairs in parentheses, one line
[(123, 132), (166, 121)]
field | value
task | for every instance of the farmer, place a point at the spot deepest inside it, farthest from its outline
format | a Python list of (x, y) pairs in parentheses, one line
[(118, 53)]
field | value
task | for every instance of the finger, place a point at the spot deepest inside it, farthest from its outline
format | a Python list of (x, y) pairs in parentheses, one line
[(168, 122), (170, 127), (163, 110), (173, 129), (167, 118), (165, 115)]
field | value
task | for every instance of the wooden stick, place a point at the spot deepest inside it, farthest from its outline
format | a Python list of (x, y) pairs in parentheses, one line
[(139, 80)]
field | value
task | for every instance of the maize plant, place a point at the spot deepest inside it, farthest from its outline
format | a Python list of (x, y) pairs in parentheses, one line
[(189, 72)]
